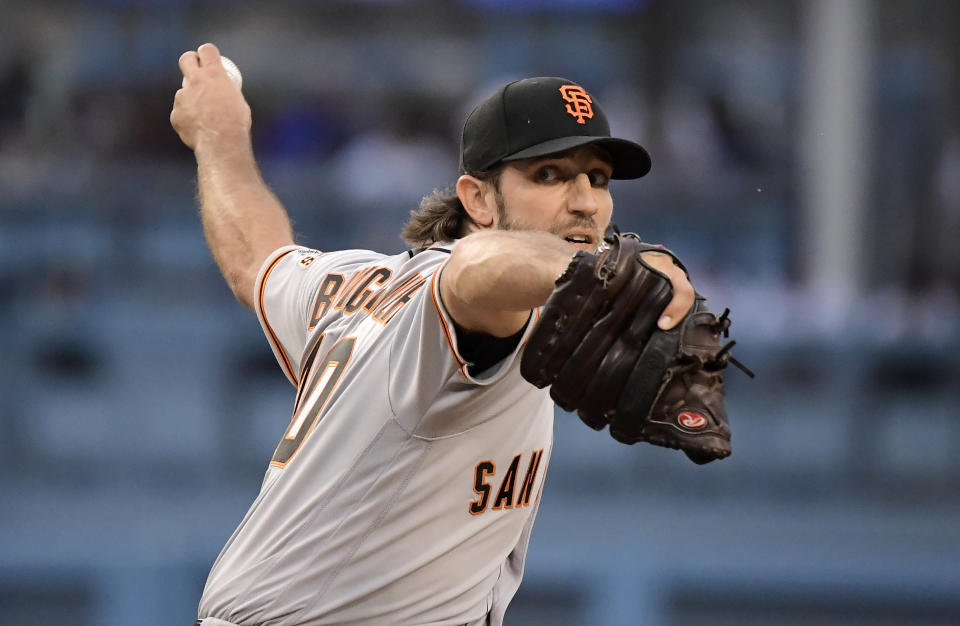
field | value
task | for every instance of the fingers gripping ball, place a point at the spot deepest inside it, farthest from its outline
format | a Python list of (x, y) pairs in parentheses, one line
[(232, 71), (598, 346)]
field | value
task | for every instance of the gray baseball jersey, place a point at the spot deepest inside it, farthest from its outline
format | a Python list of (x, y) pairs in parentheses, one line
[(405, 486)]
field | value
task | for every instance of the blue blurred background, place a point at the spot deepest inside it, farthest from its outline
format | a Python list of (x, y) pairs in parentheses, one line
[(806, 166)]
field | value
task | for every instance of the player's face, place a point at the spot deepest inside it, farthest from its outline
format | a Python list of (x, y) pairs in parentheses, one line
[(565, 194)]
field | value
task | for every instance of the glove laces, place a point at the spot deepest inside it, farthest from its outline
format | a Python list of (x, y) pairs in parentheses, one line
[(723, 356)]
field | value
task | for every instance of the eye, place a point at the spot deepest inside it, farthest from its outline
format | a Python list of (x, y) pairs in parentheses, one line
[(547, 174), (599, 178)]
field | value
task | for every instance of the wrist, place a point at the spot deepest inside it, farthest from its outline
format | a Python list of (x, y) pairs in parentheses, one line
[(217, 144)]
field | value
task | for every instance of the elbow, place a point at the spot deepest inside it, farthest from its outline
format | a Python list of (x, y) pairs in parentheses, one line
[(241, 274), (241, 283), (468, 272)]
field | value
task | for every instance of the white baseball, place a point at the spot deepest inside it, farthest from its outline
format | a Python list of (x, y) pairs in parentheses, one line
[(232, 71)]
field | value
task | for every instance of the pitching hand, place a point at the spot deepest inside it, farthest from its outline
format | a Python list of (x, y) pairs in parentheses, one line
[(208, 107)]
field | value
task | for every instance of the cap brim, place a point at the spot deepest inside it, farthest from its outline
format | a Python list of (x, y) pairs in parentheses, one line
[(630, 160)]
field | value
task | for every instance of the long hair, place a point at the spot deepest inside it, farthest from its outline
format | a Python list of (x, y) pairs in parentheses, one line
[(441, 216)]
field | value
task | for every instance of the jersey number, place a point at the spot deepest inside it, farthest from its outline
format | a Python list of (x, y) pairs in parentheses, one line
[(313, 396)]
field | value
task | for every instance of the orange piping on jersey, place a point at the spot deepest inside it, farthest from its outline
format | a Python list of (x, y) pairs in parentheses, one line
[(536, 318), (288, 369), (443, 324)]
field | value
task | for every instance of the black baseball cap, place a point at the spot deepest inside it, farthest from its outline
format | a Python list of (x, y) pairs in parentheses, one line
[(539, 116)]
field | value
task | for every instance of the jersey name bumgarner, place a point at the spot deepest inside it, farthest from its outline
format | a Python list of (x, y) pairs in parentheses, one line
[(364, 290)]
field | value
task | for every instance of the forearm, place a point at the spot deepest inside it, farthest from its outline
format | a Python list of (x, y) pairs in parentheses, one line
[(509, 270), (494, 278), (242, 220)]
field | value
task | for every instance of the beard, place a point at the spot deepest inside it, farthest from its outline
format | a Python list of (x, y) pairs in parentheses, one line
[(508, 221)]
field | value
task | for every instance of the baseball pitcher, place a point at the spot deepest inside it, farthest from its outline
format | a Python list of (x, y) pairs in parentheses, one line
[(404, 487)]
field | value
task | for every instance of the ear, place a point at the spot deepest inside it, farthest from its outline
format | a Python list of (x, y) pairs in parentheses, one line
[(478, 199)]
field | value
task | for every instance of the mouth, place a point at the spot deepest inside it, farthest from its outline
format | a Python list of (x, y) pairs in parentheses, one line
[(581, 241)]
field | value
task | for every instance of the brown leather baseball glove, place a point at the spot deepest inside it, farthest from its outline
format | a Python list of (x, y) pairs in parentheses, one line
[(598, 345)]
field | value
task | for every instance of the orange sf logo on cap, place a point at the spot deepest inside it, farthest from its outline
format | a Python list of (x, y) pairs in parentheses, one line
[(580, 102)]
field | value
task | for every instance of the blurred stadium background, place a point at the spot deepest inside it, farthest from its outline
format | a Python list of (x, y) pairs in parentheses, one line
[(806, 166)]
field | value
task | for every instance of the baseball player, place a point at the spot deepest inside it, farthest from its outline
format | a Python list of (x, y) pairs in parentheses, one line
[(405, 485)]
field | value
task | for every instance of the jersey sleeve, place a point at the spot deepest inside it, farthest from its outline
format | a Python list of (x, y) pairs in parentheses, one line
[(452, 340), (431, 387), (285, 287)]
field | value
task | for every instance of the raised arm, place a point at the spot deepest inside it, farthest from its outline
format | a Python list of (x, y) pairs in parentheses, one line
[(242, 220)]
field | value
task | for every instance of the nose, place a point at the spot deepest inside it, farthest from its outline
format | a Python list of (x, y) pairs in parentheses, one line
[(582, 198)]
